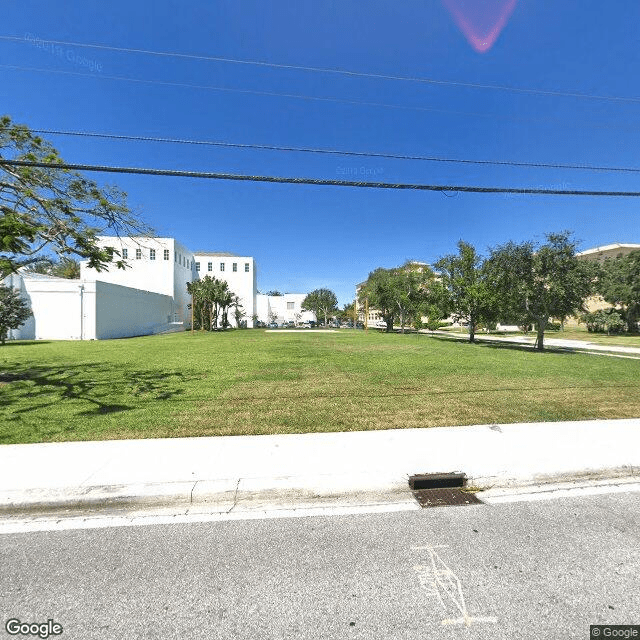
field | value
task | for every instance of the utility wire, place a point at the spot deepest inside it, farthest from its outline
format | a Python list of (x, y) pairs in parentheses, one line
[(330, 99), (314, 181), (342, 72), (337, 152)]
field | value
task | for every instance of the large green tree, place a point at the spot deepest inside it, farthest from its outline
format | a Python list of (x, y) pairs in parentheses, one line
[(537, 282), (48, 211), (402, 293), (619, 284), (380, 292), (14, 311), (322, 302), (469, 296)]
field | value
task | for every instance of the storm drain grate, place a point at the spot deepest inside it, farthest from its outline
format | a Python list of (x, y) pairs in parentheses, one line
[(441, 489)]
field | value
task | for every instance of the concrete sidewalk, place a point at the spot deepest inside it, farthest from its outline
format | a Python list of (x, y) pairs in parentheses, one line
[(564, 343), (222, 474)]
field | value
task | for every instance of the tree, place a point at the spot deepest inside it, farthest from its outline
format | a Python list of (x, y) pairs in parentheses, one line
[(238, 312), (379, 291), (346, 313), (48, 211), (210, 297), (469, 294), (412, 284), (604, 320), (321, 302), (403, 293), (274, 292), (538, 282), (13, 311), (63, 268), (619, 285)]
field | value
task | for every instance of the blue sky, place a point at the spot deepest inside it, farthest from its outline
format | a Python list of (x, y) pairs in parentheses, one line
[(305, 237)]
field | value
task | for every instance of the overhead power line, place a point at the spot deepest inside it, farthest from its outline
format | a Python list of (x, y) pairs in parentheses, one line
[(315, 181), (337, 152), (328, 70), (321, 99)]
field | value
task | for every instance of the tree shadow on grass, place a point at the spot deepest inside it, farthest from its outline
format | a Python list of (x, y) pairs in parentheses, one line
[(510, 346), (23, 343), (105, 388)]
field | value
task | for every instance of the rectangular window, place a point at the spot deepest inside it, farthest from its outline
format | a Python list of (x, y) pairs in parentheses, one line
[(175, 257), (235, 266), (152, 254), (222, 266), (197, 266), (210, 266), (166, 254), (125, 254), (246, 267), (138, 254), (290, 306)]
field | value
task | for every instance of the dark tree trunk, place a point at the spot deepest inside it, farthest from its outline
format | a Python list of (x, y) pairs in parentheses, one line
[(539, 344)]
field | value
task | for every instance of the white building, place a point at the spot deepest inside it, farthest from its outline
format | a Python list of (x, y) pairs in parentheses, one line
[(149, 296), (239, 272), (89, 309), (282, 309), (161, 265)]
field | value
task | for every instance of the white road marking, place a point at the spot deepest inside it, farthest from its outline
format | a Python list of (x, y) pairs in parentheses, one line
[(564, 490), (11, 525), (437, 578)]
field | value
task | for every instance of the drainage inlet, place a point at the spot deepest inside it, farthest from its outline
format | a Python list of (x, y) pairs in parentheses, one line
[(441, 489)]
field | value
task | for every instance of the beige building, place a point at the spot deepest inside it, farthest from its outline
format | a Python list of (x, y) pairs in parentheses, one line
[(600, 254)]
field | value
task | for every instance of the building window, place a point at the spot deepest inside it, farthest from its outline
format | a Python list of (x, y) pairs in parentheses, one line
[(246, 267), (197, 266), (222, 266), (290, 306), (138, 254), (235, 266), (125, 254), (175, 257), (210, 266), (152, 254), (166, 254)]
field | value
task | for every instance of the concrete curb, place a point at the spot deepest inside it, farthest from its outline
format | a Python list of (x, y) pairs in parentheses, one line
[(255, 472)]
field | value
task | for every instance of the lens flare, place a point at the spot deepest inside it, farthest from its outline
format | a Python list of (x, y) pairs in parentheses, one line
[(481, 21)]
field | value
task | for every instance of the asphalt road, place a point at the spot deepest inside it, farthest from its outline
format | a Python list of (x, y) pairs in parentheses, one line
[(544, 570)]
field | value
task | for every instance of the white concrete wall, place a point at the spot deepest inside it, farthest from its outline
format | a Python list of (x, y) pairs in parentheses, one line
[(89, 310), (56, 304), (149, 270), (241, 282), (285, 307), (122, 312)]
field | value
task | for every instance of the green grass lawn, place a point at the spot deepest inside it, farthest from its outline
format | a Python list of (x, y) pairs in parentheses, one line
[(252, 382)]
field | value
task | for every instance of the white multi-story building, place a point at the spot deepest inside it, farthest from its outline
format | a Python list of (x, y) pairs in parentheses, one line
[(148, 296), (282, 309), (239, 272), (161, 265)]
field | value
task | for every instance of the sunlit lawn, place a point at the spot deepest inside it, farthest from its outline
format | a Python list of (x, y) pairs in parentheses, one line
[(254, 382)]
